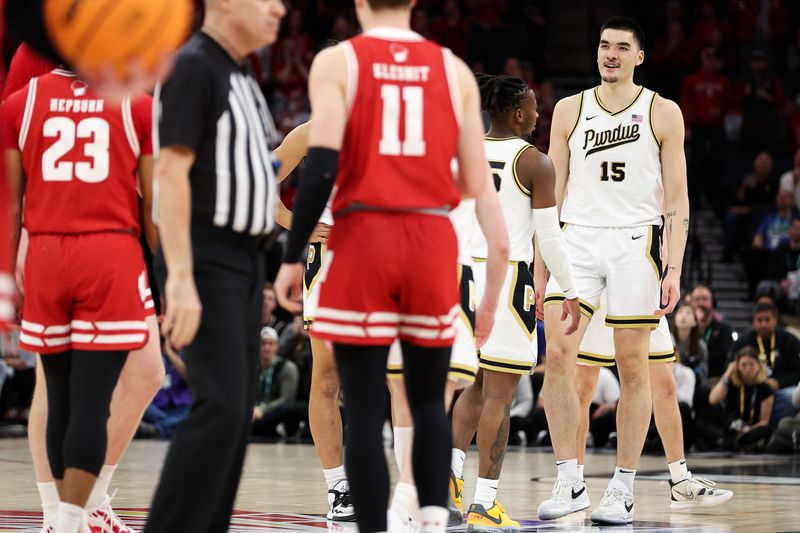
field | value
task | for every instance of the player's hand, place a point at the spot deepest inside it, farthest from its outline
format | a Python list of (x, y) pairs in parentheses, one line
[(183, 310), (289, 287), (320, 233), (258, 413), (670, 293), (484, 322), (571, 309), (539, 290)]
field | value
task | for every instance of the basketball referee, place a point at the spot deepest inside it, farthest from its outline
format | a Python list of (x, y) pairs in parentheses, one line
[(217, 198)]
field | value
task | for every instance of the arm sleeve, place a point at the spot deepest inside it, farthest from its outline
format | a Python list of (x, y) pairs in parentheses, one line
[(142, 111), (184, 103), (553, 249)]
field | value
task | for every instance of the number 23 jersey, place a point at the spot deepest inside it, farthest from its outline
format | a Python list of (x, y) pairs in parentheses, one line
[(79, 153), (614, 165)]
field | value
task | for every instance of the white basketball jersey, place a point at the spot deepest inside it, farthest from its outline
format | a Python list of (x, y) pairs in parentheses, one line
[(614, 165), (465, 224), (515, 199)]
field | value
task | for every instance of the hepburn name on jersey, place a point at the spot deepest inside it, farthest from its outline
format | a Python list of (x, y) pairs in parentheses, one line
[(384, 71), (622, 134), (68, 105)]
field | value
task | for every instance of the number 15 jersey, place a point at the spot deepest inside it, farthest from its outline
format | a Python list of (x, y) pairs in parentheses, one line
[(79, 153), (614, 165), (403, 108)]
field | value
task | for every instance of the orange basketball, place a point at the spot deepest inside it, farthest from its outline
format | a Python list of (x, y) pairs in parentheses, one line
[(96, 34)]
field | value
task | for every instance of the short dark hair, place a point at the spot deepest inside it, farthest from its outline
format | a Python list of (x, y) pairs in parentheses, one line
[(766, 307), (377, 5), (625, 24), (500, 94)]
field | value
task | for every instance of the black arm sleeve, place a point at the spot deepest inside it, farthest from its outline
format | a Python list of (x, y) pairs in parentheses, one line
[(25, 21), (312, 195)]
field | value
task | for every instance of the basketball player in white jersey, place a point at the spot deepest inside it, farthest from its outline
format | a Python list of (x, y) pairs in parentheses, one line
[(596, 350), (324, 417), (620, 166), (524, 179)]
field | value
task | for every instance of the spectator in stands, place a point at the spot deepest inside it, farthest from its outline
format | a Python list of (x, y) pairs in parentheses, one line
[(172, 403), (785, 266), (673, 57), (747, 399), (685, 387), (690, 348), (756, 192), (790, 180), (705, 99), (452, 30), (289, 68), (295, 345), (786, 438), (521, 408), (762, 99), (276, 395), (268, 317), (773, 232), (603, 409), (715, 332), (18, 369), (778, 351), (708, 24)]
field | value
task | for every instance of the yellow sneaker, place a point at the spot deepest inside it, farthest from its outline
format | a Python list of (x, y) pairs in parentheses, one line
[(493, 520), (454, 505)]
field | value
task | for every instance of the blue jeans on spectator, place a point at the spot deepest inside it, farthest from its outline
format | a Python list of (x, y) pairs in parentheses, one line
[(782, 406), (166, 420)]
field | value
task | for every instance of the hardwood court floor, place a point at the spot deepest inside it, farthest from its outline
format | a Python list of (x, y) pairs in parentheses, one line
[(283, 490)]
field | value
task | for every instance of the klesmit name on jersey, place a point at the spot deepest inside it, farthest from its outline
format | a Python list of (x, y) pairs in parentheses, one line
[(383, 71), (68, 105), (604, 140)]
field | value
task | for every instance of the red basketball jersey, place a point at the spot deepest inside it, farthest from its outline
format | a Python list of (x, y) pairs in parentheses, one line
[(80, 154), (403, 123)]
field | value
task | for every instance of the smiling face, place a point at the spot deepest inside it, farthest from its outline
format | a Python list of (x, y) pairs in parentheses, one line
[(618, 54)]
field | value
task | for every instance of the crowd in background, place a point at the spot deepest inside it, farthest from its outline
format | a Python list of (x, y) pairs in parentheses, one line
[(734, 68)]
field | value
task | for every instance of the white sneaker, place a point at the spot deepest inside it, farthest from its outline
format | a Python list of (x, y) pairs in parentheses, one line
[(340, 506), (696, 491), (48, 528), (568, 496), (395, 523), (105, 520), (615, 508)]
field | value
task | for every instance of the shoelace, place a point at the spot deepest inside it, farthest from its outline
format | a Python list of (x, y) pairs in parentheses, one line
[(111, 522), (558, 492), (613, 497)]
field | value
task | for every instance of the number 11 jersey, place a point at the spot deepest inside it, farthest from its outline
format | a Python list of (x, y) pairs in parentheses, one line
[(79, 153), (614, 165), (403, 105)]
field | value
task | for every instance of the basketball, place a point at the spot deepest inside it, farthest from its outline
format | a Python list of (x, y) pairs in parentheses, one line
[(94, 35)]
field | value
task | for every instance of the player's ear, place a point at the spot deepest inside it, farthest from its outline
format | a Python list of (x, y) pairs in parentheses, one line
[(519, 115), (640, 58)]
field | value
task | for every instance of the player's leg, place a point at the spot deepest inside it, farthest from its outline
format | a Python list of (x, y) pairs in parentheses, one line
[(37, 429), (404, 504), (685, 490), (586, 376)]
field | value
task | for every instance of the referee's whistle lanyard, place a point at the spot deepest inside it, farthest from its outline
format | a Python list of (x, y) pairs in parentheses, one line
[(762, 353)]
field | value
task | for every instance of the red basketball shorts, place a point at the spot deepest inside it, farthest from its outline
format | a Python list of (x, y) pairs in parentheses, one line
[(389, 275), (84, 292)]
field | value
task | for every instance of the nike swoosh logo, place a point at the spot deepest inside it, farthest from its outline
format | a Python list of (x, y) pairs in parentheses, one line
[(498, 520), (639, 237), (621, 471), (683, 462), (576, 494), (590, 118), (628, 508)]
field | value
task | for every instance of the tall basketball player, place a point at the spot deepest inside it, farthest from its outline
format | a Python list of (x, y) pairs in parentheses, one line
[(392, 103), (620, 165), (524, 179)]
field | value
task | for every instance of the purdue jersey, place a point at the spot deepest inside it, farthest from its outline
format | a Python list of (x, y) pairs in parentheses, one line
[(465, 225), (515, 198), (614, 165)]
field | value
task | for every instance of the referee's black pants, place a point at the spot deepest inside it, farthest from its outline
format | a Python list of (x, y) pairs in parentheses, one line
[(204, 463)]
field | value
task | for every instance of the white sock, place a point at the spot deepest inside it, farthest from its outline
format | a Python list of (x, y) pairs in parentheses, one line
[(70, 518), (580, 473), (402, 440), (486, 492), (457, 462), (100, 488), (334, 476), (678, 471), (404, 500), (432, 519), (567, 469), (623, 477), (48, 493)]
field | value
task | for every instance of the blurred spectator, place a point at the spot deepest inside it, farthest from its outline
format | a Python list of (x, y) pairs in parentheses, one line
[(520, 412), (786, 438), (690, 348), (341, 30), (452, 30), (747, 400), (172, 403), (520, 69), (785, 266), (790, 180), (673, 58), (715, 332), (17, 378), (705, 99), (755, 193), (685, 386), (289, 67), (708, 25), (762, 99), (603, 409), (793, 64), (268, 317), (295, 345), (276, 395), (770, 238), (545, 103), (778, 351)]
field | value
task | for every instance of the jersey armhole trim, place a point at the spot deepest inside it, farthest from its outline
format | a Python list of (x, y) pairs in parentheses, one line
[(650, 119), (524, 190), (130, 129), (352, 76), (30, 102), (452, 83), (577, 120)]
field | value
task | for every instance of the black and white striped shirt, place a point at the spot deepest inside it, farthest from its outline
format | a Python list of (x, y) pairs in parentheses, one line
[(214, 106)]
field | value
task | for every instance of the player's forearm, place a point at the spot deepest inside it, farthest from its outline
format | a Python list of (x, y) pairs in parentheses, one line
[(174, 220), (493, 226), (676, 229), (283, 217)]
